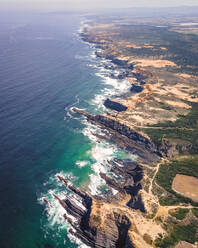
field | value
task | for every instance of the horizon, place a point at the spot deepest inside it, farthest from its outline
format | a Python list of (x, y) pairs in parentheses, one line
[(87, 5)]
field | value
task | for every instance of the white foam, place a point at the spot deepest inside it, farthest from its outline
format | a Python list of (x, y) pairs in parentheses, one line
[(82, 163), (54, 211), (114, 191), (77, 200), (67, 175), (90, 130), (95, 182), (75, 240), (73, 104), (83, 24), (120, 86), (101, 153), (117, 88)]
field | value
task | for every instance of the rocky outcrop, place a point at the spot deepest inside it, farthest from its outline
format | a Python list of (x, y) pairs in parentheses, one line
[(114, 105), (97, 221), (113, 232), (130, 174), (136, 88), (124, 137), (172, 147)]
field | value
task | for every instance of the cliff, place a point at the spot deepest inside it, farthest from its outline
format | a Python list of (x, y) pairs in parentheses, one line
[(88, 228), (124, 137)]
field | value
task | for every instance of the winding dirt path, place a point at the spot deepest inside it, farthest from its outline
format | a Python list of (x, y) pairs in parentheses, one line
[(156, 171), (163, 210)]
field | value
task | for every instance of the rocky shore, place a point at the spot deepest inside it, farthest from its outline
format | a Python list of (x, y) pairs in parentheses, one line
[(124, 137), (106, 221), (89, 227), (133, 216)]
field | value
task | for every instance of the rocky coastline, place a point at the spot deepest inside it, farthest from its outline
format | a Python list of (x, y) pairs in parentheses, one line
[(124, 137), (87, 226), (130, 217), (113, 231)]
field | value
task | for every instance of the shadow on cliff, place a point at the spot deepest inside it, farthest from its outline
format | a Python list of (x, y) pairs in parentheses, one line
[(136, 200)]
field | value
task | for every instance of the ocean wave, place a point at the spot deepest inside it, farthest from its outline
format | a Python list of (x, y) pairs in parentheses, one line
[(69, 110), (83, 24), (76, 241), (89, 131), (53, 209), (116, 88), (101, 153), (82, 163), (73, 104)]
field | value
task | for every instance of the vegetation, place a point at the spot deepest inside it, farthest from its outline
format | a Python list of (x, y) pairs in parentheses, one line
[(147, 239), (180, 213), (195, 212), (97, 219), (166, 174), (184, 121), (185, 233), (164, 106), (180, 48), (185, 128)]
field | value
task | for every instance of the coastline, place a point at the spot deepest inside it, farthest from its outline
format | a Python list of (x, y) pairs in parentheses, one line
[(130, 204), (129, 185)]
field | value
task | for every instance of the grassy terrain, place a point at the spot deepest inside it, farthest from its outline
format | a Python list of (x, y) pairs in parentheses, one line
[(185, 128), (180, 48), (166, 174), (188, 121), (185, 233), (180, 213), (195, 212)]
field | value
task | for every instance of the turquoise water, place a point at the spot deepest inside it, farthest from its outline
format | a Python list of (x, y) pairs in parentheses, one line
[(45, 70)]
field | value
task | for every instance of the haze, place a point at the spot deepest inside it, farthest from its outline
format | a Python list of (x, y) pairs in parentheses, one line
[(64, 5)]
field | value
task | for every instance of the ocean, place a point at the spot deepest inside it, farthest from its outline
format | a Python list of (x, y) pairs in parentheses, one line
[(45, 70)]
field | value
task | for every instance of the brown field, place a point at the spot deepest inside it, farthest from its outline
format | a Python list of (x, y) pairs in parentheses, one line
[(184, 244), (154, 63), (186, 186)]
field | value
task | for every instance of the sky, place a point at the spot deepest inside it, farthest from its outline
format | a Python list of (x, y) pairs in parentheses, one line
[(64, 5)]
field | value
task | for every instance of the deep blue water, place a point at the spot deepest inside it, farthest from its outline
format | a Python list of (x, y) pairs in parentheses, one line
[(44, 70), (40, 75)]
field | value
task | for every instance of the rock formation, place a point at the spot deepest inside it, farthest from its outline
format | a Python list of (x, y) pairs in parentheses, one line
[(88, 227), (124, 137), (114, 105)]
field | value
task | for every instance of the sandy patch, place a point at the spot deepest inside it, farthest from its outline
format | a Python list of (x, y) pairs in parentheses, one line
[(146, 226), (186, 186), (184, 244), (184, 75), (163, 48), (133, 46), (138, 241), (148, 46), (131, 79), (102, 26), (124, 58), (153, 63), (178, 104)]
